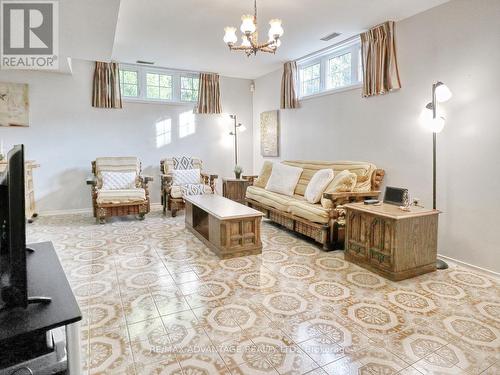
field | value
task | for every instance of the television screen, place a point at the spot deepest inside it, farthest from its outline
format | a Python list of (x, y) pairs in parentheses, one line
[(13, 279)]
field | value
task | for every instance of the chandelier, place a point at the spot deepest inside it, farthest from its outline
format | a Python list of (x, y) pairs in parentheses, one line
[(250, 38)]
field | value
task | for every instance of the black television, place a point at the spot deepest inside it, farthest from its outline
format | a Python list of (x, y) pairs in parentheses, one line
[(13, 278)]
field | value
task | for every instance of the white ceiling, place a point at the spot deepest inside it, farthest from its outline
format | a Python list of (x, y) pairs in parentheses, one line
[(187, 34)]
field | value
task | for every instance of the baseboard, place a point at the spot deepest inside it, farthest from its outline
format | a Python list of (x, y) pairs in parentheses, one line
[(154, 206), (66, 212), (484, 270)]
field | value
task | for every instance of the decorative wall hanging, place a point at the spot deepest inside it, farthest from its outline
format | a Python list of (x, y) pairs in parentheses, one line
[(14, 104), (269, 133)]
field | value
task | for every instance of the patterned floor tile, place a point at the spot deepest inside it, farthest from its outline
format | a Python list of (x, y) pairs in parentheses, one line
[(155, 300)]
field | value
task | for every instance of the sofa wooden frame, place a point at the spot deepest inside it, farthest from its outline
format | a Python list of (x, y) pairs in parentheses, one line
[(331, 235), (175, 204), (104, 210)]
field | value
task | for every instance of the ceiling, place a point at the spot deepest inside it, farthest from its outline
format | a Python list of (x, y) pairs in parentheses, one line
[(187, 34)]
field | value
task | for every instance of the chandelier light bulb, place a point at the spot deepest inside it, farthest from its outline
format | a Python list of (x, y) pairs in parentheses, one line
[(247, 24), (276, 30), (443, 93), (230, 35)]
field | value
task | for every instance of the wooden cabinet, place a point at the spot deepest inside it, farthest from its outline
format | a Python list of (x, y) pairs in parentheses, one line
[(391, 242), (29, 189), (235, 189)]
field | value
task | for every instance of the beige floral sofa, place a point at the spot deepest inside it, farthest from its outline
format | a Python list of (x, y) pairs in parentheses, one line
[(324, 221)]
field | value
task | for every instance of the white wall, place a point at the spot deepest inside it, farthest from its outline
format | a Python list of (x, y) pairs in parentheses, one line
[(458, 44), (66, 133)]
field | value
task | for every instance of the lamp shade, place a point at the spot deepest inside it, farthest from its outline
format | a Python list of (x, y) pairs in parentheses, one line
[(276, 30), (443, 93), (435, 125), (247, 24), (230, 35)]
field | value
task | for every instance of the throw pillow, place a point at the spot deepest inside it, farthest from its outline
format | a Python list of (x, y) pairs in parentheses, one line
[(318, 184), (117, 180), (264, 175), (284, 179), (186, 176), (342, 182)]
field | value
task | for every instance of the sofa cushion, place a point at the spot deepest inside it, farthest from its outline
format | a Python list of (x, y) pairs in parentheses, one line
[(176, 191), (317, 185), (283, 179), (309, 211), (363, 170), (275, 200), (120, 196), (264, 174)]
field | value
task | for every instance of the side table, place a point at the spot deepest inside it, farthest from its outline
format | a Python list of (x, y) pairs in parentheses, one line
[(235, 189)]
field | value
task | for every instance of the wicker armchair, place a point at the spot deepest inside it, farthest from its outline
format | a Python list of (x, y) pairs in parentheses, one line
[(107, 203), (171, 195)]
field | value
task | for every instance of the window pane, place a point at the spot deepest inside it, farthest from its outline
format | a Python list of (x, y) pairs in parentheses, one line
[(153, 92), (186, 83), (339, 71), (129, 90), (152, 79), (165, 93), (165, 80), (129, 76)]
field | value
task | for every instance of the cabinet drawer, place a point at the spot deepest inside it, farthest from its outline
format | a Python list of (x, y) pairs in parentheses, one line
[(357, 249)]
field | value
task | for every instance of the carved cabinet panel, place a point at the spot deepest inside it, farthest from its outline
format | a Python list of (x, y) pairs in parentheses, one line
[(392, 243)]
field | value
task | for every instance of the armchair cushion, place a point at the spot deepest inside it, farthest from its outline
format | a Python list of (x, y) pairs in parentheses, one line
[(186, 176), (169, 165), (120, 196), (118, 180), (176, 191)]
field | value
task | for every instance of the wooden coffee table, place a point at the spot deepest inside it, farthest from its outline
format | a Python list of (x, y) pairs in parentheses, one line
[(228, 228)]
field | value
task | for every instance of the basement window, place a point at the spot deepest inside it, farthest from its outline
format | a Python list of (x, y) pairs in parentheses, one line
[(146, 84), (337, 67)]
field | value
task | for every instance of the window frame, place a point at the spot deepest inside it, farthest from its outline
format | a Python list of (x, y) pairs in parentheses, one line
[(323, 58), (142, 72), (191, 76), (159, 73)]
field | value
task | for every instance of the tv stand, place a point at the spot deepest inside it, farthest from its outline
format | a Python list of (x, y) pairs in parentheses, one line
[(44, 300), (45, 277)]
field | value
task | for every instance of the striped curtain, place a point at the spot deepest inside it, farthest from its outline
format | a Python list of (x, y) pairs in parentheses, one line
[(289, 97), (106, 90), (209, 94), (380, 64)]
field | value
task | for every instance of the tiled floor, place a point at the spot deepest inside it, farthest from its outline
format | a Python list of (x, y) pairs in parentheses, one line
[(156, 301)]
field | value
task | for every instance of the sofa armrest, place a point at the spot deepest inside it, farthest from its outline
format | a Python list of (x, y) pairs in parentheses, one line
[(347, 197), (146, 179)]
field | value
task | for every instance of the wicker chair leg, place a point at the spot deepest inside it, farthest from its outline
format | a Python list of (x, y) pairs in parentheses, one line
[(141, 216), (174, 212)]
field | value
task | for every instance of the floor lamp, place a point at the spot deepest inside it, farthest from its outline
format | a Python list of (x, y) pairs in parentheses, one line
[(435, 122), (237, 126)]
